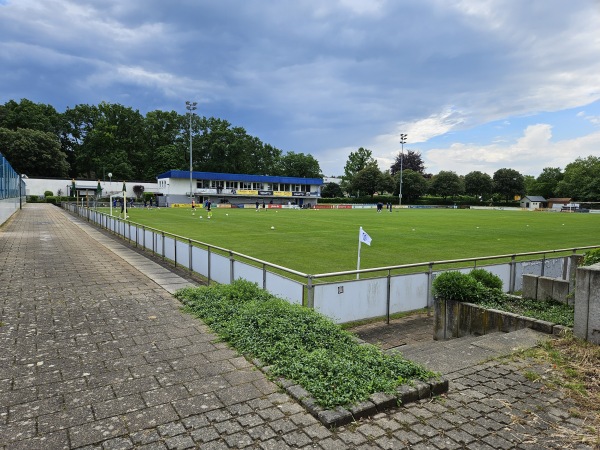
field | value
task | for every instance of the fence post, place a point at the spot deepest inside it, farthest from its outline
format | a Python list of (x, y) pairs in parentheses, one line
[(264, 275), (310, 301), (231, 267), (175, 250), (513, 274), (429, 284), (163, 245), (389, 288), (208, 266), (190, 244), (543, 265)]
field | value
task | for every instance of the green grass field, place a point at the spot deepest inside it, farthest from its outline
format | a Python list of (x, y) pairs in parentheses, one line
[(318, 241)]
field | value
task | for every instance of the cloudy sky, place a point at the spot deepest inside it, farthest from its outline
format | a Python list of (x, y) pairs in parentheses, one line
[(475, 84)]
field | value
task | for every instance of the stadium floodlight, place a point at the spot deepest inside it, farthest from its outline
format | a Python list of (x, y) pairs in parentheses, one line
[(402, 142), (191, 107)]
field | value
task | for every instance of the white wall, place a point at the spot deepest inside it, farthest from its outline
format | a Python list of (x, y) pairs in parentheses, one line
[(37, 186)]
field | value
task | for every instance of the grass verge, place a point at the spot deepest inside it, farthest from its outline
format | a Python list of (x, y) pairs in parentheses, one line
[(575, 370), (299, 344)]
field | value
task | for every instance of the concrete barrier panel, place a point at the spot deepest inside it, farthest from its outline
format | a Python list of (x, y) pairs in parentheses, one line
[(530, 286), (587, 304), (560, 290), (544, 289)]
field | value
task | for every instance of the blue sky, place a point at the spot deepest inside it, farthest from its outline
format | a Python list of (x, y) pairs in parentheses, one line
[(475, 84)]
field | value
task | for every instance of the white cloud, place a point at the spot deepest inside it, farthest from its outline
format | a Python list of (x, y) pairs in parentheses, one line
[(529, 154)]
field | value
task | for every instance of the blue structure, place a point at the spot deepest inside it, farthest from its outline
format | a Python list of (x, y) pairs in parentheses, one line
[(238, 189), (12, 189)]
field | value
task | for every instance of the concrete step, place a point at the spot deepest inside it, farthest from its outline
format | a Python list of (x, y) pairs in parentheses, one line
[(456, 354)]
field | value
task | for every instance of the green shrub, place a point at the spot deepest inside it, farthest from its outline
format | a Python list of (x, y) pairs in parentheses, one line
[(298, 343), (457, 286), (48, 194), (488, 279), (591, 257)]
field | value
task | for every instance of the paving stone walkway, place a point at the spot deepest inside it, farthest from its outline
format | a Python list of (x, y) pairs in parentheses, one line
[(96, 354)]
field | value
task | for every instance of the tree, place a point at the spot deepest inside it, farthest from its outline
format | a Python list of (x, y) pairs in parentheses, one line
[(414, 185), (109, 137), (367, 181), (478, 184), (331, 190), (219, 147), (138, 190), (547, 182), (508, 183), (299, 165), (446, 184), (411, 161), (581, 180), (34, 153), (530, 185), (164, 133), (357, 161), (27, 114)]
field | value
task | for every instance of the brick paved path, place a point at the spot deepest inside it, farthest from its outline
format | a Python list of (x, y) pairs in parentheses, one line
[(96, 355)]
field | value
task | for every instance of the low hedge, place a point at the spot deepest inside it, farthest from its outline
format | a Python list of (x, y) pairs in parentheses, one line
[(484, 288), (299, 344)]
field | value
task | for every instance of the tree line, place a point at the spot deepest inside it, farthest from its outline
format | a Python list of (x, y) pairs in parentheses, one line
[(580, 181), (91, 141)]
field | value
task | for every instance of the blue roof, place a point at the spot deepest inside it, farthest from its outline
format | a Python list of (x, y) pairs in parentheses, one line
[(185, 174)]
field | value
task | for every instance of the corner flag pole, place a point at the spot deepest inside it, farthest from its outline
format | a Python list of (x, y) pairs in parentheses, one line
[(362, 237), (358, 261)]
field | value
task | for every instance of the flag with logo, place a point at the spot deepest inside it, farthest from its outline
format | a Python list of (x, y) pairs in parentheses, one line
[(364, 237)]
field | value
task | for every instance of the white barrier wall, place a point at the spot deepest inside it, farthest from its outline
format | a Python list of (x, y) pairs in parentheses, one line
[(345, 301)]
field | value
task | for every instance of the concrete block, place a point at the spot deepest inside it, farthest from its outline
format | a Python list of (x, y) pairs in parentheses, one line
[(530, 286), (335, 417), (383, 401), (544, 289), (560, 290), (587, 304), (363, 409), (439, 319), (452, 319), (495, 320), (478, 320), (407, 394), (542, 325), (464, 320)]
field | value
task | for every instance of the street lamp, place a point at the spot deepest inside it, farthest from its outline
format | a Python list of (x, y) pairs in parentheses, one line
[(191, 107), (402, 142)]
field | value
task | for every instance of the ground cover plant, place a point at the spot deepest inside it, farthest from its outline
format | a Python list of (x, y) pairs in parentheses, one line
[(320, 241), (485, 290), (299, 344)]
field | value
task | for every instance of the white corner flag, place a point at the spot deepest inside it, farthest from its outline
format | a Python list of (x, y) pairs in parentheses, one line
[(362, 237)]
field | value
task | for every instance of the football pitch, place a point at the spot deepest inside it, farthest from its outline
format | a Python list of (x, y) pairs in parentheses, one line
[(319, 241)]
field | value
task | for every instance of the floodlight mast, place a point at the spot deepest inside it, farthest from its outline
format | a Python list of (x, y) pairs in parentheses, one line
[(402, 142), (191, 107)]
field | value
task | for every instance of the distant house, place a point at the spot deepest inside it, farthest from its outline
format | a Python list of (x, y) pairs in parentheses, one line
[(532, 202), (558, 203)]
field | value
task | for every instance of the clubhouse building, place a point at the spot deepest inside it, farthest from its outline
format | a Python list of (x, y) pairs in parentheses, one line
[(237, 190)]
